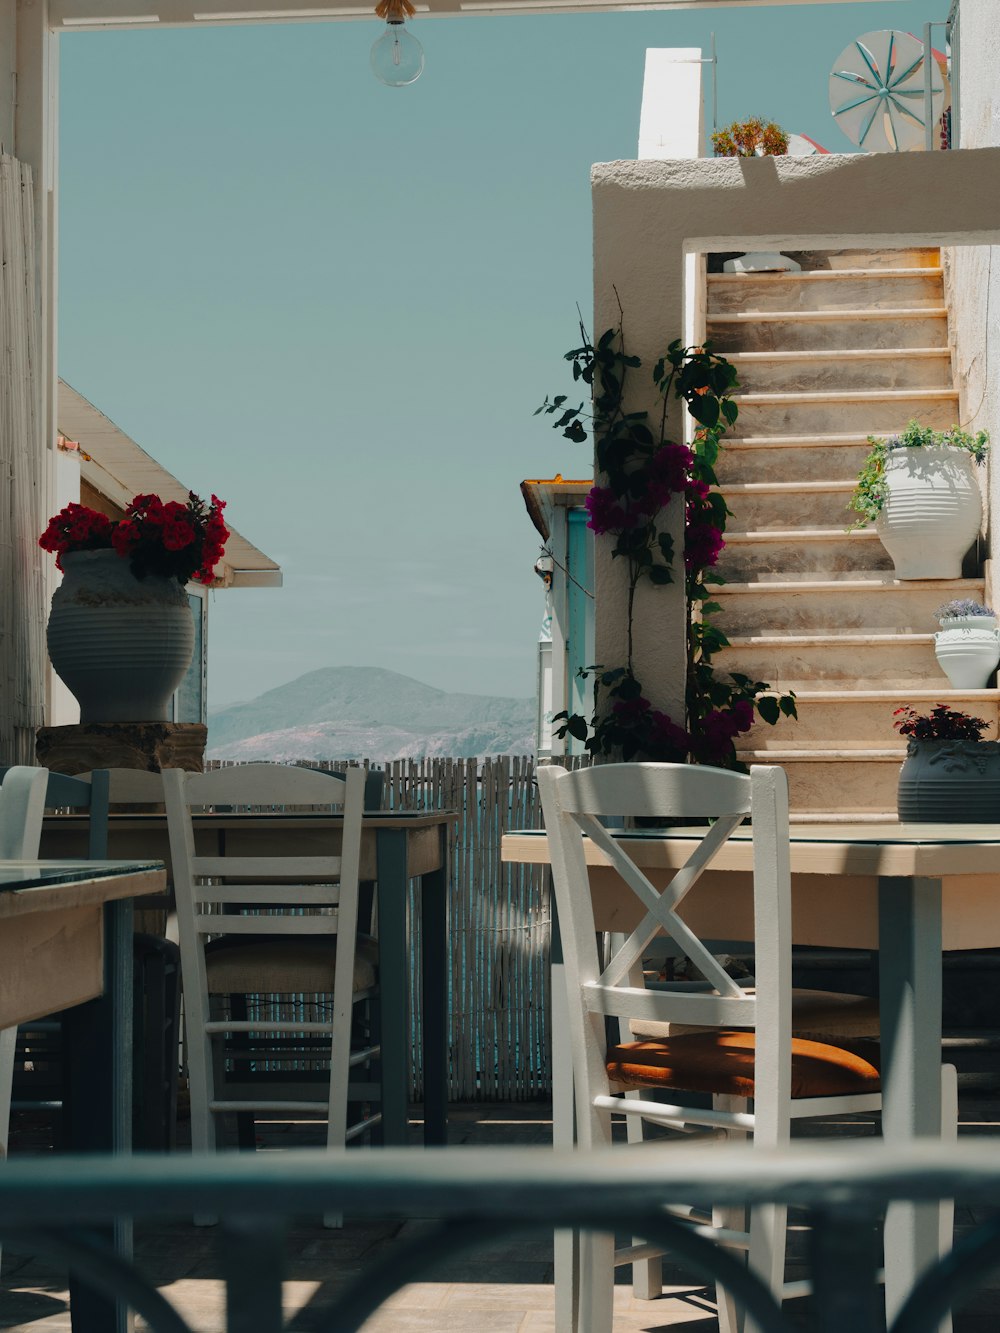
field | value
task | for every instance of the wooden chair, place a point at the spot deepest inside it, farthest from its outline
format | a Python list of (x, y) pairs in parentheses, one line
[(737, 1044), (269, 926)]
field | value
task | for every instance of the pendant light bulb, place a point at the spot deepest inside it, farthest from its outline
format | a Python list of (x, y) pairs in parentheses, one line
[(397, 57)]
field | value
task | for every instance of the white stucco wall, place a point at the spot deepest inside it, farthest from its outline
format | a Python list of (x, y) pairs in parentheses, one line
[(648, 216), (973, 275)]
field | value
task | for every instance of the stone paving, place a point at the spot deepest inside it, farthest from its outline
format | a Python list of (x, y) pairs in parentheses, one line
[(502, 1288)]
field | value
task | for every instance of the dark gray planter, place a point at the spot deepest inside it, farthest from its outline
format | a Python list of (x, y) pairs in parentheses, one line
[(950, 782)]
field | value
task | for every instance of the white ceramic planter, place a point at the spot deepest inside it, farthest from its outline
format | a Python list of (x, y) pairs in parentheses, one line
[(950, 782), (932, 512), (121, 644), (968, 649)]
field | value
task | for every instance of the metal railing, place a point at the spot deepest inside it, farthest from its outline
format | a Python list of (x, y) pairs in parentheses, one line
[(476, 1195)]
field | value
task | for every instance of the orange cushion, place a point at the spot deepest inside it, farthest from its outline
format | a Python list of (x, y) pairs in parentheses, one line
[(723, 1062)]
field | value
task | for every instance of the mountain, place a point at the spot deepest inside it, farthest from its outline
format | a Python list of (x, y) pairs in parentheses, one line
[(369, 713)]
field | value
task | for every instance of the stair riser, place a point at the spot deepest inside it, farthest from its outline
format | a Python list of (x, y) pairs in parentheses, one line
[(819, 335), (851, 725), (792, 292), (876, 417), (899, 609), (788, 509), (853, 666), (843, 558), (827, 463), (837, 259), (895, 372), (865, 787)]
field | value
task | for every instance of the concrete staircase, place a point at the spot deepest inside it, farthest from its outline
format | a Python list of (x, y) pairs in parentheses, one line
[(856, 344)]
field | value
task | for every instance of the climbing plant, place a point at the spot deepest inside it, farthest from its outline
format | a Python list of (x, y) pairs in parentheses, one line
[(640, 471)]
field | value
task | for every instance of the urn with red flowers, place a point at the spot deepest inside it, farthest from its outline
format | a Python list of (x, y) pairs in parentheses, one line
[(120, 633)]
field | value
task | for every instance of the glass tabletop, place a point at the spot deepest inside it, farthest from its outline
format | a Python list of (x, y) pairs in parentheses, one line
[(38, 874)]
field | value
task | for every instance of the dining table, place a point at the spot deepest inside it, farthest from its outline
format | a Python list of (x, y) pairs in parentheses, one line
[(397, 848), (908, 891), (66, 945)]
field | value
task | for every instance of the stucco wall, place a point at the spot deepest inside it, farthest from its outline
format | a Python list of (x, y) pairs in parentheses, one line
[(973, 274), (649, 215)]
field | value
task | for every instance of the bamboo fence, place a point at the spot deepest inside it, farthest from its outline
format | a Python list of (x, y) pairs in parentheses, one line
[(499, 925)]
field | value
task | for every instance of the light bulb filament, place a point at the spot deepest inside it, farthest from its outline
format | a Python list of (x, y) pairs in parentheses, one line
[(396, 53)]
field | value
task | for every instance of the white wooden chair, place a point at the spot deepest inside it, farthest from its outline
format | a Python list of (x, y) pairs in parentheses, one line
[(267, 926), (736, 1043)]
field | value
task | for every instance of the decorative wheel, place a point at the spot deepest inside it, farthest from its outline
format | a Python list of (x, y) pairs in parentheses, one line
[(878, 91)]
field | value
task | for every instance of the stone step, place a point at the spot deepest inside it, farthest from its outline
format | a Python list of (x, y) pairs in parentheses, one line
[(829, 368), (914, 257), (783, 504), (790, 330), (842, 662), (836, 289), (758, 459), (876, 605), (862, 719), (874, 411), (771, 555), (837, 782)]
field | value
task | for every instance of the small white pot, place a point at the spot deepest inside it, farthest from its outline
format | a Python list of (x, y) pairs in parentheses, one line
[(932, 511), (968, 649)]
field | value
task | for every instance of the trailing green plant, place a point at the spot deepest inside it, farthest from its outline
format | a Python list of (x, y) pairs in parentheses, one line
[(750, 138), (641, 471), (871, 490)]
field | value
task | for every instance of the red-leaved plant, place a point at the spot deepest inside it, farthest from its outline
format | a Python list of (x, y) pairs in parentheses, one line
[(940, 724), (169, 539)]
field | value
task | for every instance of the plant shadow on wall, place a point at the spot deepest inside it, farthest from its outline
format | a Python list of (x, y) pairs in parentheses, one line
[(640, 472)]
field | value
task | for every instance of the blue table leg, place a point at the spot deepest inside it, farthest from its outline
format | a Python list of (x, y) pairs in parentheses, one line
[(435, 980), (98, 1038), (394, 973), (910, 1007)]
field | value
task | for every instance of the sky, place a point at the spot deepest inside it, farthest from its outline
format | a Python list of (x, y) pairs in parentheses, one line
[(337, 305)]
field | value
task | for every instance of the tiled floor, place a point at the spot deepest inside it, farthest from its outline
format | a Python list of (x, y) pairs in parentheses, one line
[(502, 1288)]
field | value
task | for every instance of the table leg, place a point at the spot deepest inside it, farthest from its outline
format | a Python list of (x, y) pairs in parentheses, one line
[(435, 974), (394, 973), (98, 1111), (910, 1014)]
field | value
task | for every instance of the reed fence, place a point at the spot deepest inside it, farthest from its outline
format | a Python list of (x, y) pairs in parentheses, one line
[(499, 923)]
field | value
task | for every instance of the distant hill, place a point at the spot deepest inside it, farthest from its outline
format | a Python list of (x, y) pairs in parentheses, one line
[(369, 713)]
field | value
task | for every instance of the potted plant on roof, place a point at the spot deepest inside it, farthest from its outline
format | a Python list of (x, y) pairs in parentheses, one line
[(919, 490), (121, 633), (967, 646), (950, 774)]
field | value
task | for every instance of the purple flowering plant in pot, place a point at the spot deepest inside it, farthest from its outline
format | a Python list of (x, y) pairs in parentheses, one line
[(640, 472), (950, 774)]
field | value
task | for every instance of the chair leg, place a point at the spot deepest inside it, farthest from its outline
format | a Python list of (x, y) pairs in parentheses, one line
[(768, 1226), (597, 1281), (949, 1134), (647, 1275), (733, 1218), (8, 1045)]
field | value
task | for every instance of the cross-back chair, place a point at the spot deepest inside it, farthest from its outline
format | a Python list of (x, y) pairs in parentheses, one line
[(735, 1041), (270, 925)]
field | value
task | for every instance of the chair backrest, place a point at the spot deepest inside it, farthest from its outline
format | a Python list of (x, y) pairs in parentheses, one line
[(257, 892), (22, 805), (574, 805)]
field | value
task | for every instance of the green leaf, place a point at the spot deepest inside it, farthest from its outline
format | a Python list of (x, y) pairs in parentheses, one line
[(660, 575), (787, 705), (577, 727), (767, 707)]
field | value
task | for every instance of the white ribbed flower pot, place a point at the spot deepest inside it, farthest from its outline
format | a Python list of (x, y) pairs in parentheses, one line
[(932, 512), (968, 649), (950, 782), (121, 644)]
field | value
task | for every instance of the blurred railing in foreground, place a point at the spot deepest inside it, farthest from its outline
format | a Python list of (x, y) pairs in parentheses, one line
[(50, 1206)]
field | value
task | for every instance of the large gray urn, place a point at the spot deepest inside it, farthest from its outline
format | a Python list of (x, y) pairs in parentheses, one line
[(121, 644), (950, 782)]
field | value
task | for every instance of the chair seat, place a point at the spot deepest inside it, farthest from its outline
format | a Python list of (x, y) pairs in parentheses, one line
[(723, 1063), (816, 1016), (284, 965)]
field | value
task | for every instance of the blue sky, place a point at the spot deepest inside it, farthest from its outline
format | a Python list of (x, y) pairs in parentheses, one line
[(337, 305)]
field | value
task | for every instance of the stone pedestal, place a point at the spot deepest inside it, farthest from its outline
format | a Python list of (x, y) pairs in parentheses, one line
[(150, 746)]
